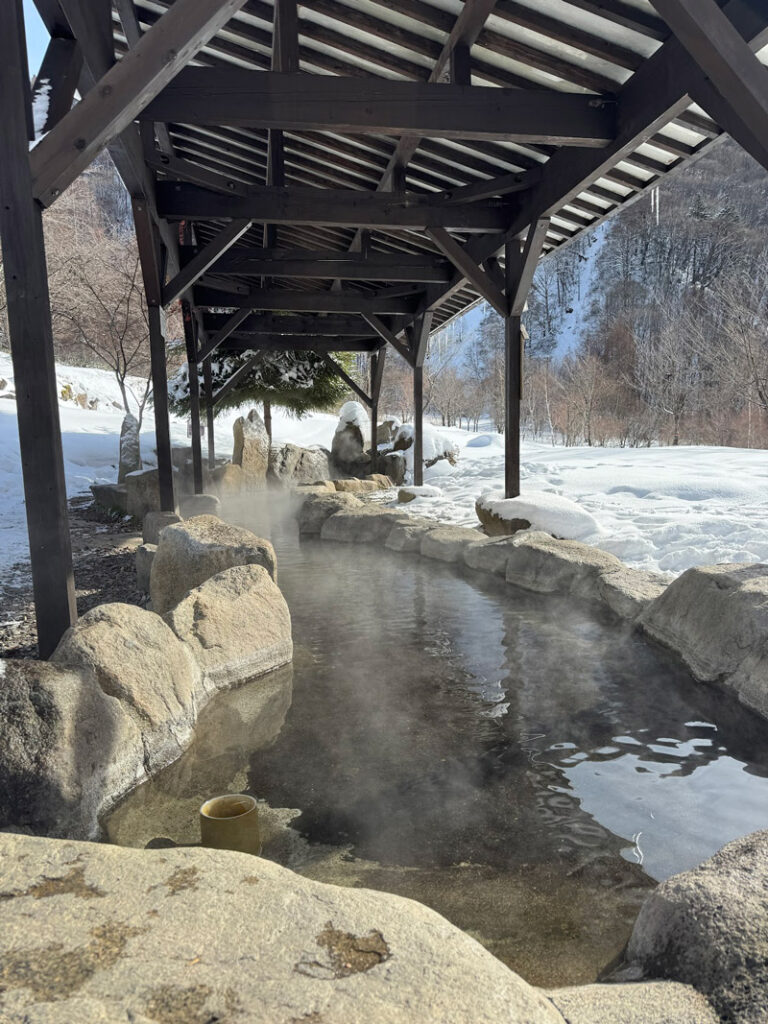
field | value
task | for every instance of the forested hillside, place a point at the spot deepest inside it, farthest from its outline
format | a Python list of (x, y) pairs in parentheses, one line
[(672, 343)]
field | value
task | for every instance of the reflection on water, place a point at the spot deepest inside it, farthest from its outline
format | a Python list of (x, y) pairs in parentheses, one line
[(512, 761)]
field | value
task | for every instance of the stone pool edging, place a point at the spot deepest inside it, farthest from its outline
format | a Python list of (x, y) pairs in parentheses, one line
[(715, 618), (97, 932), (119, 699)]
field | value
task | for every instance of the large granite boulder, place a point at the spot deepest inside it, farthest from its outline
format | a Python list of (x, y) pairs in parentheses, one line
[(251, 449), (130, 448), (132, 655), (491, 555), (709, 928), (65, 746), (227, 480), (142, 492), (543, 564), (113, 497), (408, 535), (367, 525), (716, 618), (449, 543), (154, 523), (196, 935), (318, 507), (348, 454), (236, 624), (191, 552), (289, 465), (191, 505)]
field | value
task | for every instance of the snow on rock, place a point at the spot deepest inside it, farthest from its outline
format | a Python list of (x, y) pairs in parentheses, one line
[(544, 510), (353, 413), (485, 441), (40, 107)]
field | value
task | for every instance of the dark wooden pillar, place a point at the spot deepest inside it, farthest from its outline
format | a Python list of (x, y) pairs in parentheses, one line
[(513, 372), (190, 340), (29, 320), (208, 384), (418, 425), (160, 403), (513, 376), (374, 413)]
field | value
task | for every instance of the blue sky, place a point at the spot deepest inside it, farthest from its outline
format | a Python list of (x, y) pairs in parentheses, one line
[(37, 36)]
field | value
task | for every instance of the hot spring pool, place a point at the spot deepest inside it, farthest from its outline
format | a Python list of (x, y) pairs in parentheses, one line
[(517, 763)]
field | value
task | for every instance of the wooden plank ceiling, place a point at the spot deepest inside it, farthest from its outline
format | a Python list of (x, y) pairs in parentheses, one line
[(580, 47)]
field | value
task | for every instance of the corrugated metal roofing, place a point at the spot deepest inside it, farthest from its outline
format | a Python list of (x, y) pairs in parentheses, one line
[(579, 46)]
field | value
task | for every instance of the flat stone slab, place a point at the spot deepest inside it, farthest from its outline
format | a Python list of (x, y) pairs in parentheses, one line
[(364, 525), (449, 543), (407, 536), (545, 565), (656, 1002), (490, 555), (192, 935)]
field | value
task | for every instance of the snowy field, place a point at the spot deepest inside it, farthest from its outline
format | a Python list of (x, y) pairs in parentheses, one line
[(660, 508)]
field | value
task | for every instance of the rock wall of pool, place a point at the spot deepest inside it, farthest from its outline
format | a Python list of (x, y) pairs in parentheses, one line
[(527, 765)]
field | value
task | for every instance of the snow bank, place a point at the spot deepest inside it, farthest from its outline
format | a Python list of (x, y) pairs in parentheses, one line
[(546, 511), (353, 414), (424, 491)]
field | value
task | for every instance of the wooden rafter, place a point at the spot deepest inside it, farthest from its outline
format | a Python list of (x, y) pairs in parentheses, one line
[(353, 385), (204, 259), (477, 277), (123, 92)]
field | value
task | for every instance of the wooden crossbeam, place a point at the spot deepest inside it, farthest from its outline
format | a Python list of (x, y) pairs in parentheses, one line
[(378, 376), (59, 75), (422, 325), (521, 283), (204, 260), (273, 323), (338, 207), (123, 92), (225, 330), (656, 94), (255, 99), (463, 262), (390, 337), (309, 302), (720, 51), (503, 185), (336, 265), (300, 343), (353, 385), (235, 379)]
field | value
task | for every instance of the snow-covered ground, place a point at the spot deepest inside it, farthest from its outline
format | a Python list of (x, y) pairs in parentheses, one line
[(656, 508)]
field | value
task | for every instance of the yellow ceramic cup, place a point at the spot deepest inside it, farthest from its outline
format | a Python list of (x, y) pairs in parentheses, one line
[(231, 822)]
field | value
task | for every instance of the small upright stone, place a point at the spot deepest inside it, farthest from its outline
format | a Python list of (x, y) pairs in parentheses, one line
[(154, 522), (251, 450), (130, 450)]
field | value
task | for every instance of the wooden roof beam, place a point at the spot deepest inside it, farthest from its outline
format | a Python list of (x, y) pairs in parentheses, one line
[(300, 343), (390, 337), (123, 91), (334, 207), (224, 331), (732, 70), (292, 102), (319, 264), (313, 326), (204, 259), (463, 262), (311, 302), (352, 384)]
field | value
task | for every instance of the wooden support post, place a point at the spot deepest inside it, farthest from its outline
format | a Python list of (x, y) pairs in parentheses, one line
[(190, 340), (209, 412), (160, 404), (513, 374), (418, 425), (374, 411), (29, 320)]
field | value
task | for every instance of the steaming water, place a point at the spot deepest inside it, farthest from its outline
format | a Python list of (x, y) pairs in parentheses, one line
[(515, 762)]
